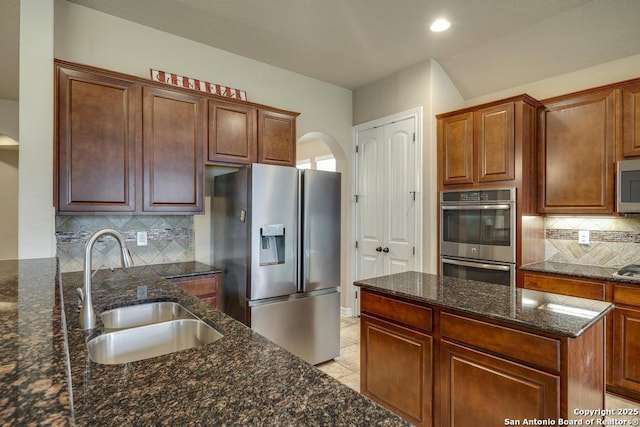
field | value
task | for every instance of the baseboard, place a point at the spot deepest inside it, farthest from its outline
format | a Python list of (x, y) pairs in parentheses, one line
[(346, 311)]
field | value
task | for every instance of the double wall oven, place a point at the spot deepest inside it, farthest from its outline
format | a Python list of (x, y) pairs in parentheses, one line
[(478, 235)]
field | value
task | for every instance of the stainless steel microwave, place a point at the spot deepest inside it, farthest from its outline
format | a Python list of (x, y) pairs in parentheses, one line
[(628, 186)]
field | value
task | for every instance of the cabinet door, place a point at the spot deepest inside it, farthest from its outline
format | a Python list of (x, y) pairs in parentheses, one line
[(174, 127), (232, 133), (495, 143), (631, 121), (577, 161), (455, 146), (626, 350), (276, 138), (97, 146), (396, 369), (482, 390)]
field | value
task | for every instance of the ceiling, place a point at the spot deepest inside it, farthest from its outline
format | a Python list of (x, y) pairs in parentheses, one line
[(492, 44)]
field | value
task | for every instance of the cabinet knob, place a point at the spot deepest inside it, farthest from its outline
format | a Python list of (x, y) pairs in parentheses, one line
[(385, 250), (379, 249)]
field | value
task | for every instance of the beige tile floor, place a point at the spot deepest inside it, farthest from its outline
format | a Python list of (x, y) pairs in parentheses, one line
[(346, 367)]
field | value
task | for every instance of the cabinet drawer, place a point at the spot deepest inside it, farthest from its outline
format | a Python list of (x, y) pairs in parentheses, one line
[(565, 286), (200, 286), (403, 312), (533, 349), (627, 295)]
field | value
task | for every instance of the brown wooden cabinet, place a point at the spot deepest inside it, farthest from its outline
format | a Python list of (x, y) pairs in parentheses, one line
[(130, 145), (631, 121), (204, 287), (455, 144), (276, 137), (396, 357), (488, 145), (577, 153), (624, 377), (97, 146), (437, 366), (232, 133), (483, 390), (174, 129)]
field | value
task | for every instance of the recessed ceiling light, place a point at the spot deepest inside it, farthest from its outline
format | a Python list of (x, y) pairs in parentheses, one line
[(440, 25)]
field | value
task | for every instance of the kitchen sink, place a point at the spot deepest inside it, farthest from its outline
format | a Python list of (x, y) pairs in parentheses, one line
[(144, 314), (145, 342)]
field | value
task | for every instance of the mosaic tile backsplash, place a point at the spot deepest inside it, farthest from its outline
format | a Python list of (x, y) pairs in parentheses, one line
[(613, 242), (169, 239)]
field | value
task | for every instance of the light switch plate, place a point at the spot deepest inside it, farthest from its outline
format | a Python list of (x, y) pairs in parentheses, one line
[(141, 238), (583, 237)]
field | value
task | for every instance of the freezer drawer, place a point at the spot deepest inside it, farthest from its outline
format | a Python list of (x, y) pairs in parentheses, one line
[(308, 326)]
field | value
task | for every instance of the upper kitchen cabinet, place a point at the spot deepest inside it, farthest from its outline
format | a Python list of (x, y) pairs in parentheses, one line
[(174, 129), (577, 153), (490, 145), (276, 137), (631, 121), (232, 133), (96, 144), (455, 148)]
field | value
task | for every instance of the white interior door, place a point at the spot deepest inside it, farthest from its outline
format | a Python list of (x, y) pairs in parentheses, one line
[(370, 203), (400, 194), (387, 205)]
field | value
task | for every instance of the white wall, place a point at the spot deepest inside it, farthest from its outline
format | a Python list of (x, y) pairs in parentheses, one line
[(36, 216), (9, 118), (599, 75)]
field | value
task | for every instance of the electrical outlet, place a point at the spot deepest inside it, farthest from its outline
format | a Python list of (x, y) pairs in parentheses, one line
[(141, 238), (583, 237)]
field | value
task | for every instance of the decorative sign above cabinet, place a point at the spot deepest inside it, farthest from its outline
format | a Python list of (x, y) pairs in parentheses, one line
[(195, 84)]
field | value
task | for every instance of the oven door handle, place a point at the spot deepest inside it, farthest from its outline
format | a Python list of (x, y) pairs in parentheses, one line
[(475, 207), (476, 265)]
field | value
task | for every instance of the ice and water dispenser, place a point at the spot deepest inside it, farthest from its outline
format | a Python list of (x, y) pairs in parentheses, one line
[(272, 244)]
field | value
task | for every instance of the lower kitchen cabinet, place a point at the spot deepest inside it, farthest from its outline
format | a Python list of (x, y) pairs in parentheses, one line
[(572, 286), (437, 366), (493, 389), (624, 377), (204, 287), (396, 368)]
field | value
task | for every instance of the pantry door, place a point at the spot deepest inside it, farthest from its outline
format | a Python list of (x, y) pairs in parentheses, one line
[(387, 199)]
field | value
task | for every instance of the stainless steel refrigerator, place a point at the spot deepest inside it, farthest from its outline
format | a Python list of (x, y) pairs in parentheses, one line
[(277, 238)]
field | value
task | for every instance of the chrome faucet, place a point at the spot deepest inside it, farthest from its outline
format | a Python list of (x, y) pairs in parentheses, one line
[(87, 315)]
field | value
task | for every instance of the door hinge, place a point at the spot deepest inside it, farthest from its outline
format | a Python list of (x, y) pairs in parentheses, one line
[(414, 137), (414, 250), (356, 148), (356, 196), (356, 294), (356, 244)]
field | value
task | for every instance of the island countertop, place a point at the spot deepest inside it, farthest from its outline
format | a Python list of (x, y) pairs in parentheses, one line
[(551, 313), (242, 379)]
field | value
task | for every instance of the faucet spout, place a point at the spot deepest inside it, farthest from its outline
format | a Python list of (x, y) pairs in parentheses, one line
[(87, 314)]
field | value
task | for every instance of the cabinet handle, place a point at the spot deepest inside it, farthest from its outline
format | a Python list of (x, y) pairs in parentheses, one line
[(385, 250), (379, 249)]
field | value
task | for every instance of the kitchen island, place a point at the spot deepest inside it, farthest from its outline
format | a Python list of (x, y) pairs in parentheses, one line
[(241, 379), (453, 352)]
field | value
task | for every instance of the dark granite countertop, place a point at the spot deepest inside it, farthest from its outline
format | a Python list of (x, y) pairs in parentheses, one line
[(551, 313), (578, 270), (241, 379)]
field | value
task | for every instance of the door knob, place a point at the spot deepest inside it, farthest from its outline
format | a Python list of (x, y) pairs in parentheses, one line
[(379, 249), (385, 250)]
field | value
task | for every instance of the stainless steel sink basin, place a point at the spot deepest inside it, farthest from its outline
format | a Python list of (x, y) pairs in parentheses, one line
[(144, 314), (145, 342)]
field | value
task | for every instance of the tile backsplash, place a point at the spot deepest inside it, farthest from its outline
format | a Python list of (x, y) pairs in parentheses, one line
[(613, 242), (170, 238)]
